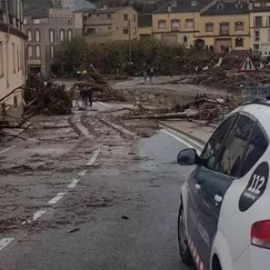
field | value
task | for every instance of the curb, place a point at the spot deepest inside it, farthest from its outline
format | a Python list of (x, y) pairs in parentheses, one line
[(184, 133)]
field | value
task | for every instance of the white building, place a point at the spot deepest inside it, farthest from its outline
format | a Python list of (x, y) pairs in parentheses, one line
[(12, 59), (76, 4), (260, 27)]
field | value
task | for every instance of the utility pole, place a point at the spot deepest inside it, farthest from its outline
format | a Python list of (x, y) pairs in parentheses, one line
[(129, 40)]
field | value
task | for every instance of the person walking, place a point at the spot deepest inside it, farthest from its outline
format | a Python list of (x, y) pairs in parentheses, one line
[(151, 74), (145, 76), (90, 96)]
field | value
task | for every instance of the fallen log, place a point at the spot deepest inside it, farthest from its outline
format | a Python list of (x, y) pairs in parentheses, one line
[(181, 115)]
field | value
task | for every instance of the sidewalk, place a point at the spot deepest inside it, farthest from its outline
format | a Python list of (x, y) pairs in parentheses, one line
[(196, 130)]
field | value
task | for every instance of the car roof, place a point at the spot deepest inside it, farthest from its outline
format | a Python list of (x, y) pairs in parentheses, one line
[(260, 109)]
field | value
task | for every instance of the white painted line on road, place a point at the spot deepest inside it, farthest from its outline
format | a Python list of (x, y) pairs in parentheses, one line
[(73, 183), (82, 173), (57, 198), (38, 214), (5, 150), (4, 242), (94, 157), (182, 140)]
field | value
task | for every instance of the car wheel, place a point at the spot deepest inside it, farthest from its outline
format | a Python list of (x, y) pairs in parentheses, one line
[(182, 239)]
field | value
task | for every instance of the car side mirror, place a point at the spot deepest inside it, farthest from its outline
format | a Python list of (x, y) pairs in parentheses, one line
[(188, 157)]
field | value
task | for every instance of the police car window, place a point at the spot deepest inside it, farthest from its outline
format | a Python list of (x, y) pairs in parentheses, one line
[(257, 145), (233, 150), (211, 151)]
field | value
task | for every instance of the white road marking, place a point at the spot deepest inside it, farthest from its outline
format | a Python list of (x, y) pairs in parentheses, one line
[(5, 150), (82, 173), (182, 140), (57, 198), (73, 183), (4, 242), (38, 214), (94, 157)]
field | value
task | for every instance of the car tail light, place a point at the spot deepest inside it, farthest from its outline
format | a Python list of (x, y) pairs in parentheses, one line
[(260, 234)]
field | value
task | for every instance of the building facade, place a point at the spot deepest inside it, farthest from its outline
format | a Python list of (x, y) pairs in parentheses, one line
[(224, 25), (45, 33), (12, 57), (260, 27), (109, 24), (145, 26)]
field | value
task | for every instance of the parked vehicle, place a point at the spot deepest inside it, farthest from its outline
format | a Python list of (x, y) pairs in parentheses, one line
[(224, 216)]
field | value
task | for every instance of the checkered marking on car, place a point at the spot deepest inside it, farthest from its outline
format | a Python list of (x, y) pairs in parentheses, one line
[(195, 255)]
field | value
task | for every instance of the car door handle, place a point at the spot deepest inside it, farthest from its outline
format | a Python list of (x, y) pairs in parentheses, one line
[(197, 187), (218, 198)]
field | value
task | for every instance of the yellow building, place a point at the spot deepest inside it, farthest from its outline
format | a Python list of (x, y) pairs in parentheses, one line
[(224, 25), (12, 59), (176, 23), (109, 24)]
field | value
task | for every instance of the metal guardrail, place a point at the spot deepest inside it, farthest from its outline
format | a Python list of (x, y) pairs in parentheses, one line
[(251, 92)]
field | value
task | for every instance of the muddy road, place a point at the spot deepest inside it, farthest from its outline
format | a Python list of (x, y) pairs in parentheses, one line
[(90, 192)]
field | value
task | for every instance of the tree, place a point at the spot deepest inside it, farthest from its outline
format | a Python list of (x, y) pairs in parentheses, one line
[(72, 52)]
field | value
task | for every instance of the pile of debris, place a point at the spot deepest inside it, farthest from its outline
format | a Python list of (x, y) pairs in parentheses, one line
[(93, 81), (46, 97)]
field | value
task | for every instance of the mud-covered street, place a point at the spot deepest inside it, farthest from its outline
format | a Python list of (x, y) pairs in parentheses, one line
[(88, 191)]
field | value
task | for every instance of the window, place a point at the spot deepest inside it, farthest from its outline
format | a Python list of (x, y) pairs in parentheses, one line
[(1, 60), (134, 18), (189, 23), (36, 21), (209, 27), (239, 42), (62, 34), (211, 151), (161, 24), (18, 60), (25, 21), (109, 15), (52, 51), (70, 34), (69, 21), (37, 35), (89, 15), (125, 30), (30, 51), (224, 29), (239, 26), (125, 17), (29, 34), (15, 101), (258, 21), (233, 150), (37, 51), (185, 39), (51, 34), (256, 47), (256, 35), (175, 25), (134, 30), (257, 145), (14, 57)]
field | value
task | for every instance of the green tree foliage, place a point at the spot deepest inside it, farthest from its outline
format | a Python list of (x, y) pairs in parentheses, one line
[(113, 57), (72, 53)]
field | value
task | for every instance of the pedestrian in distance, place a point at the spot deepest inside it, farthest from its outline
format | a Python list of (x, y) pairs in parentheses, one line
[(145, 75), (151, 74)]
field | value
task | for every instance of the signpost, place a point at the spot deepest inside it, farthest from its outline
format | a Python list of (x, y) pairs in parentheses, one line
[(247, 65)]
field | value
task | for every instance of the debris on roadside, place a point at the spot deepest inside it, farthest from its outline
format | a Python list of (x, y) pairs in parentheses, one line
[(46, 98), (73, 230)]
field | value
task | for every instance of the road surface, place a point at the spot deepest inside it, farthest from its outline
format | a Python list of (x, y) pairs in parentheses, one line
[(106, 201)]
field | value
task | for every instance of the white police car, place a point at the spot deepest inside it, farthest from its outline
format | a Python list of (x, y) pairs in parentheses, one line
[(224, 215)]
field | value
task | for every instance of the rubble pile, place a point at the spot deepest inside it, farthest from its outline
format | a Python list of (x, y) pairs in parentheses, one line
[(46, 98), (95, 82)]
